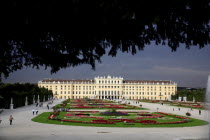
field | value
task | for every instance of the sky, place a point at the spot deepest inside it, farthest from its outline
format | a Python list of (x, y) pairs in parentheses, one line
[(186, 67)]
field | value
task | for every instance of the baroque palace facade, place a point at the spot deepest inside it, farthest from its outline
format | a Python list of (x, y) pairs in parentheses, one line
[(110, 88)]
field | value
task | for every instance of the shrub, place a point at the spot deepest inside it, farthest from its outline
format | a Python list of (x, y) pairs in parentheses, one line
[(188, 114), (56, 118), (113, 110)]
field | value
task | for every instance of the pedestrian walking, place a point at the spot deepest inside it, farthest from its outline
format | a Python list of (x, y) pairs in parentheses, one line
[(48, 107), (199, 112), (179, 109), (33, 111), (37, 104), (37, 111), (0, 119), (173, 109), (10, 119), (191, 109)]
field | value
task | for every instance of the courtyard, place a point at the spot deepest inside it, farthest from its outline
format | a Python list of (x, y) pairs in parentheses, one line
[(25, 129)]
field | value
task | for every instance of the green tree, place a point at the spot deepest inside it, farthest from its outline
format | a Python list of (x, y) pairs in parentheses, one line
[(90, 27)]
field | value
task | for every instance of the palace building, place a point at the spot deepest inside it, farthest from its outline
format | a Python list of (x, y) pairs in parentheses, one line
[(110, 88)]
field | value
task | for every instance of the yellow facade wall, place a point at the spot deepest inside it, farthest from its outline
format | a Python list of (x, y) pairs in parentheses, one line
[(110, 87)]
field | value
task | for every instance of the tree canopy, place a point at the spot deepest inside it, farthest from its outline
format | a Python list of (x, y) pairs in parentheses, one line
[(19, 92), (60, 34)]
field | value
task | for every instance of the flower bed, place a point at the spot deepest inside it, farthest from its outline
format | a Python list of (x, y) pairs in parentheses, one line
[(114, 113), (145, 120), (93, 103)]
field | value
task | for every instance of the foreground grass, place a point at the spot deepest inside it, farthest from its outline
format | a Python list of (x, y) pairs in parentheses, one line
[(43, 118)]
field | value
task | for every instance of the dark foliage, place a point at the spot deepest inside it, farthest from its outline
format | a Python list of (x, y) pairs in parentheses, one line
[(60, 34), (19, 92), (197, 94)]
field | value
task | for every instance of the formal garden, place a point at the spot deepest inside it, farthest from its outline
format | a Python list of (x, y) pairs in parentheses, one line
[(114, 118), (193, 105), (94, 104), (82, 112)]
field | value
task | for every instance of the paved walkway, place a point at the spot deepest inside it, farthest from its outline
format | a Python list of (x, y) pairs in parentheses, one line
[(24, 129), (154, 107)]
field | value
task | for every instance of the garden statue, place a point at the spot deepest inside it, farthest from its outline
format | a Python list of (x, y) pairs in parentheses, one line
[(26, 102), (11, 104)]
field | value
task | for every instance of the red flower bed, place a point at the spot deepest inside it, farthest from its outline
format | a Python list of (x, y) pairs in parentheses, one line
[(102, 121), (51, 116), (179, 117), (121, 120), (84, 107), (72, 121), (197, 106), (172, 115), (148, 116), (148, 122), (143, 114)]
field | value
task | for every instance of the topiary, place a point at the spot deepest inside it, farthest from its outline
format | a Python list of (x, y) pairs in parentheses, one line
[(188, 114)]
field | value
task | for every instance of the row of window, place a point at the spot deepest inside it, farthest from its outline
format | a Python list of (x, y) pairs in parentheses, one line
[(112, 93), (149, 98), (108, 82), (79, 88), (108, 87), (148, 89), (146, 93), (76, 92)]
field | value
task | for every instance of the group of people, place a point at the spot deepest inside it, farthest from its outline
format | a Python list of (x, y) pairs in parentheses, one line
[(35, 111), (40, 105)]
